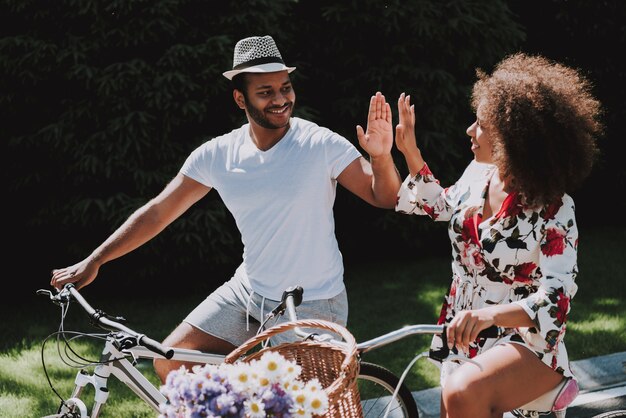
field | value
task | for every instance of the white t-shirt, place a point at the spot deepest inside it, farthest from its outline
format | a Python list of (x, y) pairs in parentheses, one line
[(282, 201)]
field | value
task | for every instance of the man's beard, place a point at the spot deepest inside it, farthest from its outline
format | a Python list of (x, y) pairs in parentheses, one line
[(259, 117)]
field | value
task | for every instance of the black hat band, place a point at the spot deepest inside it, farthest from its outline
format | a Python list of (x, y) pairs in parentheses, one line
[(258, 61)]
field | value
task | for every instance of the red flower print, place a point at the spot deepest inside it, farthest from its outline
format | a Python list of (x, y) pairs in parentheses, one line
[(469, 231), (523, 272), (562, 307), (478, 258), (443, 313), (553, 363), (430, 211), (473, 351), (425, 171), (511, 207), (554, 243), (552, 209)]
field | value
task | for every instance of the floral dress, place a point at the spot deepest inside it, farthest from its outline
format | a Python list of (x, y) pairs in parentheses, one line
[(519, 255)]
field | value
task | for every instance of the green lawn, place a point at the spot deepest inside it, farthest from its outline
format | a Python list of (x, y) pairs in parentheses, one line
[(383, 295)]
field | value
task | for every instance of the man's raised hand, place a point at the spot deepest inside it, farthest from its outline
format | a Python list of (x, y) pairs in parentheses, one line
[(378, 139)]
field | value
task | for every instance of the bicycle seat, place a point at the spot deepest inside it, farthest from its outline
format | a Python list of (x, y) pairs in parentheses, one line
[(557, 399)]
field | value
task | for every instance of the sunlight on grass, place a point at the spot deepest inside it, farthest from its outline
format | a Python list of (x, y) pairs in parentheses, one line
[(598, 322), (15, 406), (606, 303), (597, 334), (430, 295), (22, 368), (23, 385)]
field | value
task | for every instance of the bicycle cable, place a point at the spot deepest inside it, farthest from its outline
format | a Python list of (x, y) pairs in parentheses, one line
[(68, 347), (261, 328), (397, 389), (67, 358)]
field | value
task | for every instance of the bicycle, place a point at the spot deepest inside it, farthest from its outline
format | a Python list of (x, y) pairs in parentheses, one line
[(124, 347), (382, 392)]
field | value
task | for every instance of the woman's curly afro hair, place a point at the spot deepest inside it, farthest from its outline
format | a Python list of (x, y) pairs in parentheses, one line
[(544, 122)]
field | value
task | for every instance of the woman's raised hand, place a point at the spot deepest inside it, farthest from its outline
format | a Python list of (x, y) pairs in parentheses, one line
[(405, 135), (405, 129)]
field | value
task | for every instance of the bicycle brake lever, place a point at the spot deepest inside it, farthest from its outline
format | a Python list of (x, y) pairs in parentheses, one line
[(61, 297), (115, 318)]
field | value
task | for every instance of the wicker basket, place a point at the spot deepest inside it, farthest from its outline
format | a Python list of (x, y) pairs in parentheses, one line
[(335, 367)]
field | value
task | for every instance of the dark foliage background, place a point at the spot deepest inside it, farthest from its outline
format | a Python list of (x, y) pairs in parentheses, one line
[(101, 102)]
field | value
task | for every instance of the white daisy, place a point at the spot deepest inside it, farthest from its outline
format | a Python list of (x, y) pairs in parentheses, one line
[(292, 370), (313, 385), (317, 402), (255, 408), (300, 398), (298, 411), (272, 365), (240, 377)]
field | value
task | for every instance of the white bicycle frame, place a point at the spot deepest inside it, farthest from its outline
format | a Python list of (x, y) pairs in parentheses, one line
[(117, 363)]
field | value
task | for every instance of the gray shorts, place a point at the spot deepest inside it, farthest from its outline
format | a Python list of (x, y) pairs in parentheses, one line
[(233, 312)]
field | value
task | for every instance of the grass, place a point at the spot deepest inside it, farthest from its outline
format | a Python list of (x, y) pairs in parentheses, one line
[(384, 295)]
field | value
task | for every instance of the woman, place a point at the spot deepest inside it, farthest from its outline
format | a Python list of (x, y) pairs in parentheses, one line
[(512, 228)]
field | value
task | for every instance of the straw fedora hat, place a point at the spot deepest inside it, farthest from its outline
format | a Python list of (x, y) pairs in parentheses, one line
[(257, 54)]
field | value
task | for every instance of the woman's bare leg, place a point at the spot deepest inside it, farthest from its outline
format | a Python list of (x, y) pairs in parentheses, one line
[(512, 375)]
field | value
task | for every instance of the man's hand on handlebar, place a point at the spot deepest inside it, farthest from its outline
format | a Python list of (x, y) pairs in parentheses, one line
[(81, 274)]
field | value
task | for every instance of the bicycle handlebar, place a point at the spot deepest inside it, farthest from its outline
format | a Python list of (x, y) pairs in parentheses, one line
[(101, 320), (292, 297)]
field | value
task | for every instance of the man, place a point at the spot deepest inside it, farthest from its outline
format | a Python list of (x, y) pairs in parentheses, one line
[(277, 175)]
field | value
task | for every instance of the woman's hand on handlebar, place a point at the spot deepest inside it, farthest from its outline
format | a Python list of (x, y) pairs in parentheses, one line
[(465, 326), (81, 274)]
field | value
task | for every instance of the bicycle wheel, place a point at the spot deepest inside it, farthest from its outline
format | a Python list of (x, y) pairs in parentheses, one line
[(376, 387), (612, 414)]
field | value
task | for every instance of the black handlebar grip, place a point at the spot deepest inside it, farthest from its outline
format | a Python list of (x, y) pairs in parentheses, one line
[(296, 294), (156, 347), (491, 332), (441, 354)]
